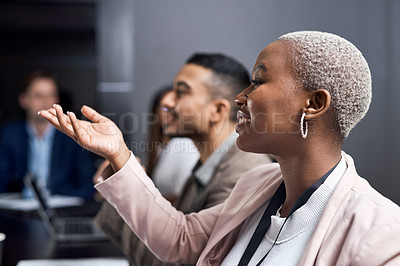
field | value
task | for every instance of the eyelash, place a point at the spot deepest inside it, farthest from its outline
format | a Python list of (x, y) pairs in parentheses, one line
[(255, 82), (179, 93)]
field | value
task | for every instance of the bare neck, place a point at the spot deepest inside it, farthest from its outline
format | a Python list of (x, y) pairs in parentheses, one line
[(40, 126), (304, 168), (208, 143)]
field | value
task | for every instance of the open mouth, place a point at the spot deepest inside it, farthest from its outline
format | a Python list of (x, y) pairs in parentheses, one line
[(243, 118)]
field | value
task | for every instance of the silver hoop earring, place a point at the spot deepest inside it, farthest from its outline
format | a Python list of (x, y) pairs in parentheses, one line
[(302, 131)]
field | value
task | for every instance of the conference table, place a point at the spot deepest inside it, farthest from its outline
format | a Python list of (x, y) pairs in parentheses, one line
[(28, 238)]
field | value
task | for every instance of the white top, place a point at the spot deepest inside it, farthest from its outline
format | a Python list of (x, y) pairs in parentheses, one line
[(175, 166), (39, 156), (296, 232)]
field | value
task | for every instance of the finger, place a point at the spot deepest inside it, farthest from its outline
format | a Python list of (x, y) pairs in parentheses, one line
[(64, 123), (52, 111), (92, 115), (62, 118), (77, 129), (50, 117)]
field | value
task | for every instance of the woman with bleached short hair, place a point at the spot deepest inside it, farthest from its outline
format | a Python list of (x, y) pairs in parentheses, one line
[(308, 90)]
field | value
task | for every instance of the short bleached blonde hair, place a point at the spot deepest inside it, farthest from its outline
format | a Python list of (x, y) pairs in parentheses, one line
[(326, 61)]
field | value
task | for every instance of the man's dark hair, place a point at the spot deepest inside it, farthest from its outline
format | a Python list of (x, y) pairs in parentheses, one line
[(38, 74), (230, 77)]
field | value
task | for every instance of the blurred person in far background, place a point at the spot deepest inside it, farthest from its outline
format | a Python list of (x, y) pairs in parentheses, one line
[(34, 146)]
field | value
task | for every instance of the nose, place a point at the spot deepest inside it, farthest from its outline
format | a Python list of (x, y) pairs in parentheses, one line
[(168, 102), (241, 98)]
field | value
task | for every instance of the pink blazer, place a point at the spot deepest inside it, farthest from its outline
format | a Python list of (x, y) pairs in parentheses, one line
[(358, 226)]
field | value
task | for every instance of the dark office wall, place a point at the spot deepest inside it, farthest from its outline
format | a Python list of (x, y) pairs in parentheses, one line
[(59, 37), (115, 56), (167, 32)]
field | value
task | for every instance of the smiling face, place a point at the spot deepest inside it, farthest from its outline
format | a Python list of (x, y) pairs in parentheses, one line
[(272, 105), (189, 103)]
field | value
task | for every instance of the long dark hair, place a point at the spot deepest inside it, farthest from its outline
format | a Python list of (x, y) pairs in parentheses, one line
[(156, 137)]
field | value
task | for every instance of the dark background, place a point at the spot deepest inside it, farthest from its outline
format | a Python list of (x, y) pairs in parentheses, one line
[(54, 36)]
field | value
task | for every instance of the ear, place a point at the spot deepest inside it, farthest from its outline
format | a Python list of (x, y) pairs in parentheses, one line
[(23, 101), (219, 110), (318, 103)]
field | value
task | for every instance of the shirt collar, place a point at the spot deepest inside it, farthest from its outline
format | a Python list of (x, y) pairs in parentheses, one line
[(204, 173), (48, 134)]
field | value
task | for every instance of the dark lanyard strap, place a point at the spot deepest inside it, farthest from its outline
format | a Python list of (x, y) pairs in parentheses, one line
[(275, 203)]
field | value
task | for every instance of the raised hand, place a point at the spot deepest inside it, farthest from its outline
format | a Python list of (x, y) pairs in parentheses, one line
[(100, 136)]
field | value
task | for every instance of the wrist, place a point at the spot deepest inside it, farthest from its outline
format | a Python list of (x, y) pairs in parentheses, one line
[(120, 159)]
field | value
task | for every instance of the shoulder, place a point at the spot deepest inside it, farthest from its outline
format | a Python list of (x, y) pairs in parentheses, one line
[(232, 170), (374, 225), (243, 161), (364, 201), (181, 142), (236, 163), (260, 177), (14, 132), (182, 148), (13, 128), (367, 222)]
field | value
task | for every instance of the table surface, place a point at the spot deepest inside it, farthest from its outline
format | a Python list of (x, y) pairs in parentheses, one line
[(28, 238)]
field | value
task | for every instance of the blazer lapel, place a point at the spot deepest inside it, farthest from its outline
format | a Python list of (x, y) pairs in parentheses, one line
[(225, 162), (248, 195), (346, 183), (24, 149), (227, 159)]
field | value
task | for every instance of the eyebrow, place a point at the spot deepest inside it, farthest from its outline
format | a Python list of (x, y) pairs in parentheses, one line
[(183, 84), (259, 67)]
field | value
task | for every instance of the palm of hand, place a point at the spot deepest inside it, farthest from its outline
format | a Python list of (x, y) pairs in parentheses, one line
[(100, 136), (103, 138)]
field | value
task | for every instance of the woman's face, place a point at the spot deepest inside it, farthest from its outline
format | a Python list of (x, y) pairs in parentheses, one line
[(164, 113), (272, 105)]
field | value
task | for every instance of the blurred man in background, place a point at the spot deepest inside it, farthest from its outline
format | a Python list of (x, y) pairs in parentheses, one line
[(201, 108), (34, 146)]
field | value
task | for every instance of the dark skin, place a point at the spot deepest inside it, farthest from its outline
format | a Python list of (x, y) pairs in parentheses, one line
[(274, 103)]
